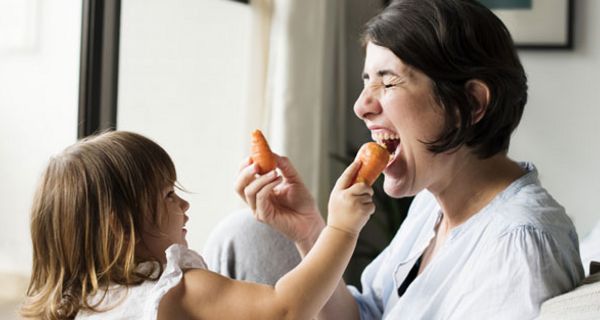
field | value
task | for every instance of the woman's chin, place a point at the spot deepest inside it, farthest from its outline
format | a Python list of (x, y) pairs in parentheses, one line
[(395, 183), (394, 189), (398, 187)]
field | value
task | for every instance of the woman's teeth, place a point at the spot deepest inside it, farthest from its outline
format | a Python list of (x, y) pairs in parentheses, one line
[(380, 136), (389, 140)]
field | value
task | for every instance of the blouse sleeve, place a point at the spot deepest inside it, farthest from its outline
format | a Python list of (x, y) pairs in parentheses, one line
[(374, 287), (524, 268)]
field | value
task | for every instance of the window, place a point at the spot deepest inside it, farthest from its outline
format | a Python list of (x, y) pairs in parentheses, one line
[(182, 74)]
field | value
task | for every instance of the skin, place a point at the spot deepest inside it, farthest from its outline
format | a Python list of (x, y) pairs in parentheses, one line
[(461, 182), (396, 99), (302, 292), (156, 240)]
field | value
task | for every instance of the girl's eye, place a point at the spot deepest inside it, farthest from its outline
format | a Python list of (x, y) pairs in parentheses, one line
[(387, 86), (170, 194)]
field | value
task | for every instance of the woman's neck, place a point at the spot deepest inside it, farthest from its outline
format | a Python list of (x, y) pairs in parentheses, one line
[(472, 184)]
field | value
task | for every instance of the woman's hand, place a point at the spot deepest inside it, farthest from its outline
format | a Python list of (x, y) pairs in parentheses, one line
[(283, 201), (350, 205)]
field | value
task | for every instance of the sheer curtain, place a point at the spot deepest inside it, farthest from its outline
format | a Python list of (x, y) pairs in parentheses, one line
[(295, 87)]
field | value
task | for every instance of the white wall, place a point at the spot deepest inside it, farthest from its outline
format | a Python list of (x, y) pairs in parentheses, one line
[(39, 63), (181, 82), (560, 130)]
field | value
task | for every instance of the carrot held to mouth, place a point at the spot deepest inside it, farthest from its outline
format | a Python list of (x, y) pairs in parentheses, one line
[(374, 158), (261, 153)]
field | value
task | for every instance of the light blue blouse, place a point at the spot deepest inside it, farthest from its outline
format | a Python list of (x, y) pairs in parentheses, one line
[(502, 263)]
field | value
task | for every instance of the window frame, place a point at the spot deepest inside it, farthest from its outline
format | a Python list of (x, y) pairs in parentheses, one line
[(99, 66)]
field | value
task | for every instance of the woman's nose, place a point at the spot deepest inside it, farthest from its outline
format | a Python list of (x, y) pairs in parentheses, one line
[(367, 104)]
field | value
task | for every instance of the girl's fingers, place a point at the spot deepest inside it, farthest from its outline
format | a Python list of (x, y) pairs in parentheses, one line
[(370, 208), (364, 199), (347, 178), (360, 189)]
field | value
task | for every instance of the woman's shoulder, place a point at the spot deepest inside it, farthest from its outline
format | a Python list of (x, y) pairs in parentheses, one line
[(531, 219), (525, 215), (533, 208), (527, 205)]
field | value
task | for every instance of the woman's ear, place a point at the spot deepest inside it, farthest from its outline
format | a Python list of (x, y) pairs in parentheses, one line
[(481, 94)]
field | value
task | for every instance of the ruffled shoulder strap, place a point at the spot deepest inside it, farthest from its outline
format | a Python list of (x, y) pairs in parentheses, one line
[(179, 259)]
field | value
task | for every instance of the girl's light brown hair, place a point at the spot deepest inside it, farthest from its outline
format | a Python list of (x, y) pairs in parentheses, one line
[(87, 216)]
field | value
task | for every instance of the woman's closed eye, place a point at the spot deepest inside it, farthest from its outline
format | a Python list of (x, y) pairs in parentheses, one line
[(389, 84), (393, 82), (382, 87), (376, 85)]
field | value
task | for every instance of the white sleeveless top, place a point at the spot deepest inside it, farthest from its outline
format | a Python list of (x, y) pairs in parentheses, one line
[(141, 301)]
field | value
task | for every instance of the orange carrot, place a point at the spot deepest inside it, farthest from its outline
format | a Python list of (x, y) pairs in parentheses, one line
[(374, 159), (261, 153)]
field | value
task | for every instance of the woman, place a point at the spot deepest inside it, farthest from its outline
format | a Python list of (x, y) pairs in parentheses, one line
[(444, 90)]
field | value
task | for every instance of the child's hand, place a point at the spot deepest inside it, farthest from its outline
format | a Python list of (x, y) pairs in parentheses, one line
[(350, 206)]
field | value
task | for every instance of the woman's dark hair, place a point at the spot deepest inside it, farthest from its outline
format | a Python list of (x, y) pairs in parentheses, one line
[(452, 42)]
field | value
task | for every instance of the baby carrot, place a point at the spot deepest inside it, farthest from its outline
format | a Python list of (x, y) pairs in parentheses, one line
[(374, 159), (261, 153)]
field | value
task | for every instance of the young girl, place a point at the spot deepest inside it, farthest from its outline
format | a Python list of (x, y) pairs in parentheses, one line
[(109, 243)]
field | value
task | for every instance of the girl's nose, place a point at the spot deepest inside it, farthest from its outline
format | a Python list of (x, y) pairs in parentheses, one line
[(184, 205), (367, 104)]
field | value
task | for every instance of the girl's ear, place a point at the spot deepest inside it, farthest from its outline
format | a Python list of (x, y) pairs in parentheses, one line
[(481, 94)]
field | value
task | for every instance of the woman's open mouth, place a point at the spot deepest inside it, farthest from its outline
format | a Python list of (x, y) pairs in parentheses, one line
[(390, 141)]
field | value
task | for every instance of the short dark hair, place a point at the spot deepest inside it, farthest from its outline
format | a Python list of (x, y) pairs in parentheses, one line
[(452, 42)]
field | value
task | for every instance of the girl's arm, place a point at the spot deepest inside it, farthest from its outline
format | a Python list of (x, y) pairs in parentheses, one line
[(302, 292), (341, 304)]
